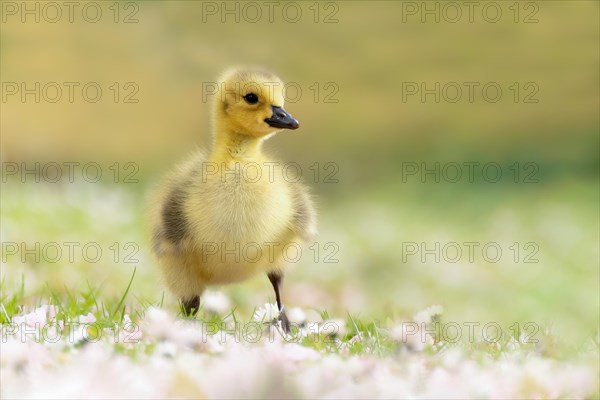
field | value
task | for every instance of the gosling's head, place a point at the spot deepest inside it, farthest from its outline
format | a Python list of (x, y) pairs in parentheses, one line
[(250, 102)]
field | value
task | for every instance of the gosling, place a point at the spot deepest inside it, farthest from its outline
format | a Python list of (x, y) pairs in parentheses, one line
[(231, 214)]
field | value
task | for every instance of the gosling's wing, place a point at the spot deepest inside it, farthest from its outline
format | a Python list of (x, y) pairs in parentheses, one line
[(304, 222), (170, 226)]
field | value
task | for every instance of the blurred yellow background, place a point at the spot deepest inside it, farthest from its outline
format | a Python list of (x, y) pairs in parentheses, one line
[(368, 54)]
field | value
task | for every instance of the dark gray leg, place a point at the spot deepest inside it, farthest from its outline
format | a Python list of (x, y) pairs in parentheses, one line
[(276, 279), (191, 305)]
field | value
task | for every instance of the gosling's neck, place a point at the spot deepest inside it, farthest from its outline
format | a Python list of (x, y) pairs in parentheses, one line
[(229, 144)]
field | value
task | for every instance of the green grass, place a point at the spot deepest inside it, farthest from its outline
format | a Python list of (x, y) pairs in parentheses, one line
[(372, 292), (357, 335), (370, 279)]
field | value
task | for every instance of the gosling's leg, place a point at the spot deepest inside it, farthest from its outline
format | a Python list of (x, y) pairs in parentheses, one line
[(191, 305), (276, 279)]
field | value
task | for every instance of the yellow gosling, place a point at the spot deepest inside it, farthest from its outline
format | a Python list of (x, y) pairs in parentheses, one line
[(226, 216)]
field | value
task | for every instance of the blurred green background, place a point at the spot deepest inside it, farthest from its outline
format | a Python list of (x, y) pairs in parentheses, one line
[(369, 51)]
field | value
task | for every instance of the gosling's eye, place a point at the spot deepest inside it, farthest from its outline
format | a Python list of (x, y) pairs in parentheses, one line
[(251, 98)]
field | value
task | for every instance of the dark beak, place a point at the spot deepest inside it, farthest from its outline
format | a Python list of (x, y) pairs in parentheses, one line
[(282, 119)]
